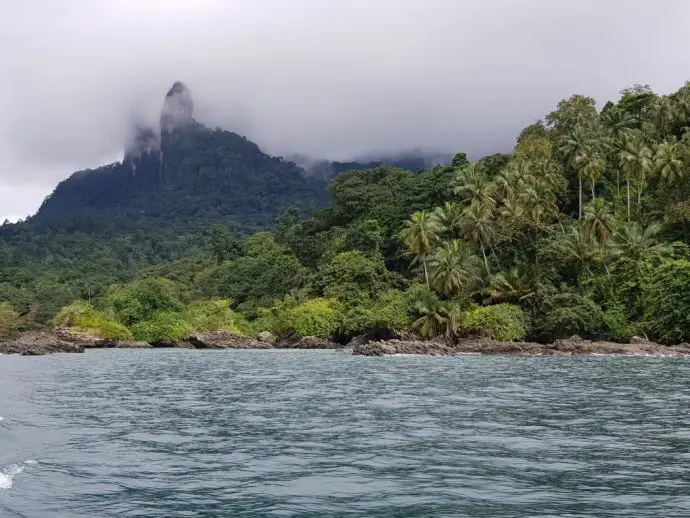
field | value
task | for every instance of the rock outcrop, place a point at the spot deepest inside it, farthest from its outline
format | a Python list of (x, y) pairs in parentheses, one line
[(390, 347), (267, 337), (573, 346), (35, 343), (224, 340)]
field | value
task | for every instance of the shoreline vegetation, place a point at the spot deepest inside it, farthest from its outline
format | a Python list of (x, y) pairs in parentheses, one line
[(582, 230)]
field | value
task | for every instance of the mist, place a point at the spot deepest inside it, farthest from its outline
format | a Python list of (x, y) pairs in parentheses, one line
[(321, 78)]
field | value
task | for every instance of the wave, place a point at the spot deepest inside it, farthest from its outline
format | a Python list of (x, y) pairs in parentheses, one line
[(7, 474)]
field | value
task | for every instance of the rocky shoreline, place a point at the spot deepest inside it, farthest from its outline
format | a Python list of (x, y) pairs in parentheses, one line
[(573, 346), (68, 341)]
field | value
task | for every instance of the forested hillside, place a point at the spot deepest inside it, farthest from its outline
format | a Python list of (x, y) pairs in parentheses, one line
[(581, 229)]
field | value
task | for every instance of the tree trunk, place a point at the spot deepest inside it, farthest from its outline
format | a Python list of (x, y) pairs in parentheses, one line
[(627, 181), (426, 273), (579, 178), (593, 195), (486, 262)]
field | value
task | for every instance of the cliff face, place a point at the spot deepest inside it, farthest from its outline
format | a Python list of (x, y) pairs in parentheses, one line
[(183, 171)]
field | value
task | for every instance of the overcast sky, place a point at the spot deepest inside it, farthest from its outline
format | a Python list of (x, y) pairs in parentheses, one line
[(329, 78)]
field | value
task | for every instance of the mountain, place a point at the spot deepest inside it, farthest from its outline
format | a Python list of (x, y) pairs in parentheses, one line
[(184, 171)]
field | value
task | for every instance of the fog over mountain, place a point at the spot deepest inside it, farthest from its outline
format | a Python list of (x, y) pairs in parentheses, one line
[(315, 77)]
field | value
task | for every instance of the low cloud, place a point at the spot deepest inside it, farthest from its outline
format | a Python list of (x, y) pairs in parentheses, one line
[(326, 79)]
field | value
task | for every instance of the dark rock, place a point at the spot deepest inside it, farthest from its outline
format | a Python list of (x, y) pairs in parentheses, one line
[(314, 342), (389, 347), (36, 343), (131, 344), (87, 340), (224, 340), (267, 337)]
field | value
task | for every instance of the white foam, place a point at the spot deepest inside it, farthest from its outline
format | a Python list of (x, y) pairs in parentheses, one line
[(7, 474)]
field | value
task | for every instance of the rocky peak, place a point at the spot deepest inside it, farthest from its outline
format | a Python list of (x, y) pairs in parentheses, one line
[(177, 108)]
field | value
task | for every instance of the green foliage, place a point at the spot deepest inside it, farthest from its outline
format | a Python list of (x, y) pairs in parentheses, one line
[(316, 317), (9, 321), (389, 313), (503, 322), (82, 316), (162, 327), (566, 314), (214, 315), (667, 301), (354, 278), (141, 299)]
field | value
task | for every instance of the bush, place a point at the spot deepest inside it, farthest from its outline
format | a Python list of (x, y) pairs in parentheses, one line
[(388, 313), (317, 317), (503, 322), (214, 315), (162, 327), (140, 300), (567, 314), (667, 299), (82, 316), (9, 321)]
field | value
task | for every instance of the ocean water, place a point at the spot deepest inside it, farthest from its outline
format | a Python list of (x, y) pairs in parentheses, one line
[(167, 433)]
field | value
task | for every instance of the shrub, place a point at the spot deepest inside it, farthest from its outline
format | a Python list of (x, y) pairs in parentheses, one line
[(503, 322), (9, 321), (214, 315), (388, 313), (566, 314), (667, 299), (317, 317), (162, 327), (139, 300), (82, 316)]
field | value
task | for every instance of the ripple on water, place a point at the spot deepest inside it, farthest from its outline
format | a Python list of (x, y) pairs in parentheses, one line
[(319, 433)]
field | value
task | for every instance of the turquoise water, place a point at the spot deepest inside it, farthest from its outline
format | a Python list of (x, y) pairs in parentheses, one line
[(154, 433)]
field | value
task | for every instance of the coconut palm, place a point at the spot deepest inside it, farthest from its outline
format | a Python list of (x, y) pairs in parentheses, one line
[(573, 147), (453, 268), (635, 159), (449, 218), (668, 160), (433, 317), (473, 185), (420, 234), (637, 242), (478, 225), (539, 202), (514, 285), (591, 165), (599, 222)]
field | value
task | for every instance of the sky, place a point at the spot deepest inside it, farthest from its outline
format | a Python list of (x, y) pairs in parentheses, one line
[(326, 78)]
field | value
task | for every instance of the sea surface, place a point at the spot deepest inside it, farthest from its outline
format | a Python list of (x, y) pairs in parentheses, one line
[(251, 433)]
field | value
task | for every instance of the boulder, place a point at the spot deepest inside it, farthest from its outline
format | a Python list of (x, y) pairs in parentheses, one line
[(34, 343), (131, 344), (314, 342), (389, 347), (224, 340), (267, 337), (71, 335)]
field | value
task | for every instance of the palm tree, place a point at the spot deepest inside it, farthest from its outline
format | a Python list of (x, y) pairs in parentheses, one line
[(599, 222), (573, 147), (540, 202), (419, 235), (574, 247), (635, 158), (668, 160), (449, 218), (473, 185), (636, 242), (590, 165), (432, 316), (478, 226), (515, 285), (454, 268), (664, 112)]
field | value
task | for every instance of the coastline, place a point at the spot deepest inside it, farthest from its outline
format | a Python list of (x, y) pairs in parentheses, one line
[(41, 343)]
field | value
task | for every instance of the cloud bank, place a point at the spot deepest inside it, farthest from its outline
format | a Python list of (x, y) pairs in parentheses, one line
[(319, 77)]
